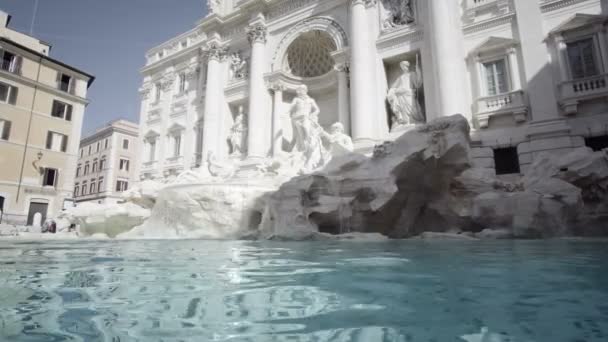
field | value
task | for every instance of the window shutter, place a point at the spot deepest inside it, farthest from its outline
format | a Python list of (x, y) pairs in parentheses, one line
[(68, 115), (55, 177), (64, 143), (17, 66), (72, 89), (6, 131), (58, 79), (118, 186), (55, 109), (13, 92), (49, 140)]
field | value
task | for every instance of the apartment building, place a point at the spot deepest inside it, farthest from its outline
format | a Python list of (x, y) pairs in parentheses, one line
[(42, 104), (107, 163)]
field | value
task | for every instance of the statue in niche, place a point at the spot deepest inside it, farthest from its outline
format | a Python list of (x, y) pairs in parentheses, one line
[(339, 141), (399, 13), (238, 134), (238, 66), (308, 144), (405, 96)]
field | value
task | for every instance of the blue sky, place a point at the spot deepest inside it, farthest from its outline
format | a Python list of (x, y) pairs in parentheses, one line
[(106, 38)]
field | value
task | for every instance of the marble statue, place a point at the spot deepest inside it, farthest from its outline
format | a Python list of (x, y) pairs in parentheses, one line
[(238, 66), (238, 135), (213, 6), (340, 142), (403, 98), (399, 13), (308, 143)]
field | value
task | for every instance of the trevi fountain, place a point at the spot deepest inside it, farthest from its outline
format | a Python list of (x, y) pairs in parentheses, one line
[(342, 178)]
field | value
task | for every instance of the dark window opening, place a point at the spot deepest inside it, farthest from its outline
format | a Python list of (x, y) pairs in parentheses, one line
[(64, 83), (506, 161), (597, 143), (50, 177)]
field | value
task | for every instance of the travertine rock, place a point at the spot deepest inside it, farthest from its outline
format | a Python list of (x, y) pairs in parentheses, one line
[(111, 220), (211, 211), (392, 192)]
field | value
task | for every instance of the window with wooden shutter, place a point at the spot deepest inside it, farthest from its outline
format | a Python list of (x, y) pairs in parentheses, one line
[(8, 93), (17, 63)]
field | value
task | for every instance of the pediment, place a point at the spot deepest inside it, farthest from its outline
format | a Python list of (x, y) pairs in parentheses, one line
[(152, 134), (494, 43), (578, 21)]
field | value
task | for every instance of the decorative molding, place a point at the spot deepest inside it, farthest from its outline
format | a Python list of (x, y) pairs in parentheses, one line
[(167, 82), (489, 23), (552, 5), (215, 51)]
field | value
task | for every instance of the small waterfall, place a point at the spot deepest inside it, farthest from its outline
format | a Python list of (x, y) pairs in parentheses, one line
[(335, 189)]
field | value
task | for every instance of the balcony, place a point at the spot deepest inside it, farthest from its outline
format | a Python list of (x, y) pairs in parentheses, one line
[(149, 166), (575, 91), (512, 103)]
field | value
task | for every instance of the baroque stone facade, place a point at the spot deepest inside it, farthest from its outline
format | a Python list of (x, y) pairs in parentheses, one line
[(420, 60)]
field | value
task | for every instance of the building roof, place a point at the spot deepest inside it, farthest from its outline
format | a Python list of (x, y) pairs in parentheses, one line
[(50, 59)]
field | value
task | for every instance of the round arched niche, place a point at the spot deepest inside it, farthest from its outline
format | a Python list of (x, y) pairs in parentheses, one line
[(309, 55)]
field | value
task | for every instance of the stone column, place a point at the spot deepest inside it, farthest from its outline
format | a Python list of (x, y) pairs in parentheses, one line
[(603, 42), (343, 96), (448, 58), (539, 77), (277, 132), (514, 64), (212, 117), (562, 59), (256, 148), (363, 73)]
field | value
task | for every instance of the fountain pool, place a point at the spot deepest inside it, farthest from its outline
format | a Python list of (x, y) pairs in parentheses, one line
[(543, 291)]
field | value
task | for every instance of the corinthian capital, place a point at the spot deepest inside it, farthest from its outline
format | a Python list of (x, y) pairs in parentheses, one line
[(277, 86), (216, 51), (367, 3), (257, 33)]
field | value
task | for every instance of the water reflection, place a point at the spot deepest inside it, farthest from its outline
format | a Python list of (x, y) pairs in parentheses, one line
[(321, 291)]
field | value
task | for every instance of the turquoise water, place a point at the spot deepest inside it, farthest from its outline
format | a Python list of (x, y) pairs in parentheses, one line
[(548, 291)]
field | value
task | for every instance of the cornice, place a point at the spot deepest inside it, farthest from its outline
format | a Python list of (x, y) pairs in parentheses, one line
[(489, 23), (552, 5), (396, 38)]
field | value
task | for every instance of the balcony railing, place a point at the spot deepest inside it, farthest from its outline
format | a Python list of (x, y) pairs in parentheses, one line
[(574, 91), (512, 103), (149, 165), (471, 4)]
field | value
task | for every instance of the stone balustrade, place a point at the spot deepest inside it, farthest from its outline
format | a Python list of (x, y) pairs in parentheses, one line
[(574, 91), (512, 103)]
